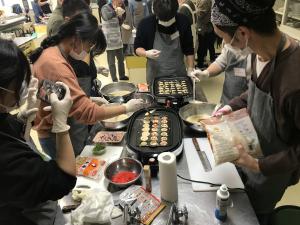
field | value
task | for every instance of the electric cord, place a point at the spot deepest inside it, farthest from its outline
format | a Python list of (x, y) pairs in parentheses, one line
[(209, 183)]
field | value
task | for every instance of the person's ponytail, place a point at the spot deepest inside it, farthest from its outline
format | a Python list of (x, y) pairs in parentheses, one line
[(46, 43)]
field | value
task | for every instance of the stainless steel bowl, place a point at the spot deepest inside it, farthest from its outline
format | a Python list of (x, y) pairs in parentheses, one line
[(117, 125), (123, 164), (118, 86), (148, 99), (196, 109)]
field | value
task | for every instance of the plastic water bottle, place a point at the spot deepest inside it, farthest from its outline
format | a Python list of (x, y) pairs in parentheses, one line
[(222, 201)]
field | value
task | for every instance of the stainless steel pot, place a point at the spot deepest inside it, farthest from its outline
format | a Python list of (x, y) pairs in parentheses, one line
[(192, 109), (108, 89)]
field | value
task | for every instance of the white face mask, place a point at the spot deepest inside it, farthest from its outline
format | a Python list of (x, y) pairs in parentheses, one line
[(167, 23), (77, 56), (23, 93), (237, 51), (23, 97)]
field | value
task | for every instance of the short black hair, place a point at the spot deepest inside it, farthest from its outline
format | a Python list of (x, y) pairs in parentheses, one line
[(165, 9), (72, 7), (14, 67)]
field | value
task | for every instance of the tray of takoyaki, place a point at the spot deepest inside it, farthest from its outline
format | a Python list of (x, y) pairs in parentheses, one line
[(170, 86), (154, 130)]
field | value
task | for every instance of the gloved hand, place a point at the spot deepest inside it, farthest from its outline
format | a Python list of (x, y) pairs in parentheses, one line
[(99, 100), (60, 110), (119, 11), (126, 26), (222, 111), (152, 54), (189, 71), (103, 70), (199, 74), (134, 105), (29, 112)]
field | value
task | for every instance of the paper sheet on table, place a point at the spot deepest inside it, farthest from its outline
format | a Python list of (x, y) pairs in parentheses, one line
[(223, 174)]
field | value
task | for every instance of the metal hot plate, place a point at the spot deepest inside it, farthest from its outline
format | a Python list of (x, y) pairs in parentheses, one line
[(167, 134)]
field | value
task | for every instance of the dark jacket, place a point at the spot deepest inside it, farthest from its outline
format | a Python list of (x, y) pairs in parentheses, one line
[(147, 28), (27, 180)]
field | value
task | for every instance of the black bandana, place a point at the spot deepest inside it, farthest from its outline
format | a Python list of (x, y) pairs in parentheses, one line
[(238, 12)]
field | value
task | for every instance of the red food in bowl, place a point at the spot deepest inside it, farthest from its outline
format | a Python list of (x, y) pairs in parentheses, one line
[(123, 177)]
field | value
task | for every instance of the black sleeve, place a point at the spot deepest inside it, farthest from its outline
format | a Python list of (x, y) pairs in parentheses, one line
[(140, 40), (27, 179), (187, 13), (186, 37)]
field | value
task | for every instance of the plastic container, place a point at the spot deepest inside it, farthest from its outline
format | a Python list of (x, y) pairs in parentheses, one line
[(222, 202)]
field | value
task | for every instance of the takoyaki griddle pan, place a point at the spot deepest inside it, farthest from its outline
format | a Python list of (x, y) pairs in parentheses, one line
[(135, 131)]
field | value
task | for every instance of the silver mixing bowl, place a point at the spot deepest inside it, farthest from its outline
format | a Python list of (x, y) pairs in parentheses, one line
[(118, 86), (123, 164), (196, 109), (118, 124), (148, 99)]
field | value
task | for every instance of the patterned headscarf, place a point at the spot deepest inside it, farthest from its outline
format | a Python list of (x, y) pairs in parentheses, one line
[(238, 12)]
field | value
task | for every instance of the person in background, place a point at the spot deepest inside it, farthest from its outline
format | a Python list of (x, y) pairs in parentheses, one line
[(139, 10), (44, 4), (100, 4), (206, 35), (57, 19), (30, 184), (38, 12), (165, 38), (77, 37), (237, 70), (113, 15), (187, 7), (272, 99), (149, 6), (126, 30)]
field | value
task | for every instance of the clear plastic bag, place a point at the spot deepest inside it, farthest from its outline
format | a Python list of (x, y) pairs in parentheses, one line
[(226, 132), (95, 207)]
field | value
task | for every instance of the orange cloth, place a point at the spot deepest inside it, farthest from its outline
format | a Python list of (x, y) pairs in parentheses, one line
[(51, 65)]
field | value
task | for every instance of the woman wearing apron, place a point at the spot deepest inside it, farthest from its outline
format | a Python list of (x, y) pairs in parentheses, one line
[(113, 15), (272, 99), (237, 69), (165, 38)]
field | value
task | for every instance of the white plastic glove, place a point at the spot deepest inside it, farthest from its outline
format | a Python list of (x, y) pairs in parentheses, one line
[(29, 112), (222, 111), (99, 100), (199, 74), (152, 54), (60, 110), (103, 70), (119, 11), (134, 105), (189, 71), (126, 26)]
